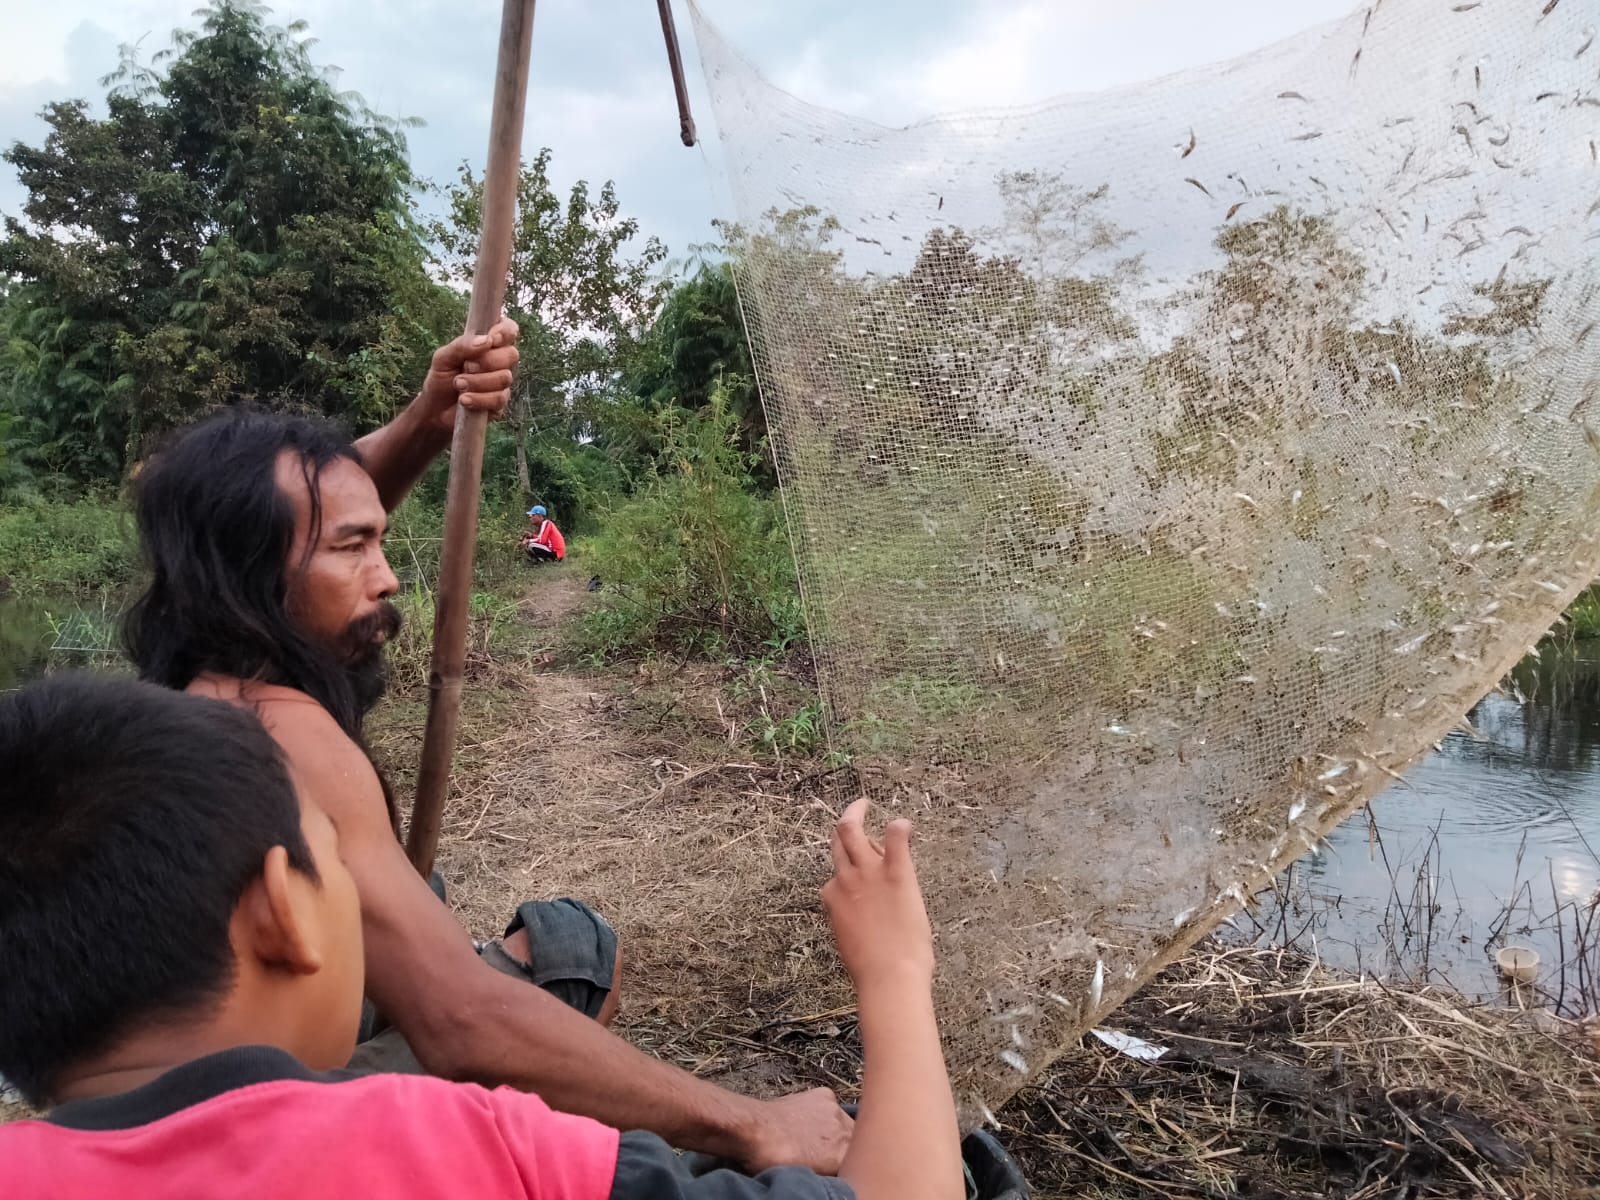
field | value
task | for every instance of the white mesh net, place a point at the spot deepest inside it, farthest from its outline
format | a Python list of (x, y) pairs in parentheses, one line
[(1169, 467)]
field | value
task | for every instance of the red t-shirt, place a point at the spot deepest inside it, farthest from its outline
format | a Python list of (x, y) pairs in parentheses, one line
[(253, 1124), (550, 538)]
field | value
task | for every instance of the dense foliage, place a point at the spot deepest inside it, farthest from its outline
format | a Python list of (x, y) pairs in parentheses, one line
[(225, 226), (697, 560), (233, 228)]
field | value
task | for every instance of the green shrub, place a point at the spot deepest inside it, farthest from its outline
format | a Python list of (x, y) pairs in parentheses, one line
[(697, 561), (416, 532), (1584, 615), (491, 624), (788, 717), (78, 547)]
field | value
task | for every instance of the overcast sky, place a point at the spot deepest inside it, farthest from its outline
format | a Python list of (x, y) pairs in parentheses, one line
[(600, 94)]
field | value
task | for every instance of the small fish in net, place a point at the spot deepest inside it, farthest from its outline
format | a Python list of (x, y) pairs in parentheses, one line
[(1168, 468)]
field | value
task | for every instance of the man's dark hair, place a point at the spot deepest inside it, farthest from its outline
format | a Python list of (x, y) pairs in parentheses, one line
[(216, 532), (132, 818)]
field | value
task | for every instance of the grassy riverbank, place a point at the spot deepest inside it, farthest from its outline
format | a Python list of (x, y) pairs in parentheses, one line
[(82, 548)]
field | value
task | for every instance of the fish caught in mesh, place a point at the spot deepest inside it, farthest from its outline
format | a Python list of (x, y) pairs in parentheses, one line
[(1167, 468)]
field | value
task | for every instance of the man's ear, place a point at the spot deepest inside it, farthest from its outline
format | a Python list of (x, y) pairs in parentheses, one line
[(279, 920)]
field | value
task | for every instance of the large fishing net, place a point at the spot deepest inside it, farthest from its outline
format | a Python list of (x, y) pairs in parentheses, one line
[(1169, 467)]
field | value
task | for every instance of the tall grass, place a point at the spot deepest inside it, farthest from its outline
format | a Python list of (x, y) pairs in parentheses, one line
[(416, 534), (79, 547)]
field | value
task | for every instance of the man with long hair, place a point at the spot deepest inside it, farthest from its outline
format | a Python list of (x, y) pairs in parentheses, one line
[(269, 588)]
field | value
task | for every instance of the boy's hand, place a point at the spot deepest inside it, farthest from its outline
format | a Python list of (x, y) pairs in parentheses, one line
[(875, 907)]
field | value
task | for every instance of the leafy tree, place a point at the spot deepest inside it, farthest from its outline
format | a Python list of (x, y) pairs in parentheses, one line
[(697, 348), (234, 228), (581, 292)]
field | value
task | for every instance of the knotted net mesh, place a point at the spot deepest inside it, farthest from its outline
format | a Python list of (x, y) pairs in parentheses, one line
[(1169, 467)]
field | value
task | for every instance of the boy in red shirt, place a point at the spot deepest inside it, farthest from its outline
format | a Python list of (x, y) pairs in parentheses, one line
[(181, 949), (543, 542)]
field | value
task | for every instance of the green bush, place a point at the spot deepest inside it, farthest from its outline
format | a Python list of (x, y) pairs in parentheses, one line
[(1584, 615), (696, 561), (79, 547), (416, 533), (787, 720)]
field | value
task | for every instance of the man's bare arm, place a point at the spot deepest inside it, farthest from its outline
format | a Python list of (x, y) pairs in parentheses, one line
[(474, 371), (466, 1020)]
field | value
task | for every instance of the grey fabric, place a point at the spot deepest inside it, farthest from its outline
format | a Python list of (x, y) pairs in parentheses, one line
[(573, 951), (574, 956), (647, 1167)]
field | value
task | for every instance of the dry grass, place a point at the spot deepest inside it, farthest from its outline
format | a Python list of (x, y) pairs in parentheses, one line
[(628, 789), (1282, 1080), (622, 788)]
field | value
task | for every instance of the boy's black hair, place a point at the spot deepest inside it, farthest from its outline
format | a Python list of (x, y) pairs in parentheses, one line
[(132, 818)]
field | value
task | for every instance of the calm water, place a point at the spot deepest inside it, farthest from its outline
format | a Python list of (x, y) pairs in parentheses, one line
[(1489, 840), (38, 633)]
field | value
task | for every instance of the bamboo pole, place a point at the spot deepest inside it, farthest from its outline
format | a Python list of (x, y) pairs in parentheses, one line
[(466, 447), (680, 89)]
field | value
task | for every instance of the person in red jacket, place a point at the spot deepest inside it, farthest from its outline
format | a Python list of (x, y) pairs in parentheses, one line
[(543, 543), (181, 945)]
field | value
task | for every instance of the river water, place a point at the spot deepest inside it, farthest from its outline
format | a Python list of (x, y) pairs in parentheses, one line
[(37, 634), (1491, 839)]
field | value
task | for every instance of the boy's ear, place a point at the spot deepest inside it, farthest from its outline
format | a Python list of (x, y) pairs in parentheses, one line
[(278, 918)]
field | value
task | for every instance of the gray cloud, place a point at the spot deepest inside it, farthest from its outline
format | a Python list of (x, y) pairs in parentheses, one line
[(600, 96), (91, 52)]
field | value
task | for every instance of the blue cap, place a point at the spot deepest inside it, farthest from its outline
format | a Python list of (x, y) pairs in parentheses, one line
[(536, 511)]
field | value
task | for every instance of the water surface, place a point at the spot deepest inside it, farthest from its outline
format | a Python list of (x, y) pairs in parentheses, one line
[(1491, 839)]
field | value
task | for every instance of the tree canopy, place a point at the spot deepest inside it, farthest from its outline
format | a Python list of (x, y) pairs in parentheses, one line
[(580, 289), (233, 228), (224, 225)]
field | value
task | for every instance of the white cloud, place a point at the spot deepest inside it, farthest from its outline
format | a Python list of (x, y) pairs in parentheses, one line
[(35, 47), (1010, 52), (600, 95)]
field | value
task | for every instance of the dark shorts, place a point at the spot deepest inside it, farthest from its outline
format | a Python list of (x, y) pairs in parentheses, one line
[(573, 952), (540, 554)]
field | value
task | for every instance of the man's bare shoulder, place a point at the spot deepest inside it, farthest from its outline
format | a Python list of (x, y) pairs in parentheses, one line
[(250, 693), (318, 750)]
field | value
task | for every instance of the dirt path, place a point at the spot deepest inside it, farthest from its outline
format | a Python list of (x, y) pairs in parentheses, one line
[(621, 787), (555, 595), (631, 788)]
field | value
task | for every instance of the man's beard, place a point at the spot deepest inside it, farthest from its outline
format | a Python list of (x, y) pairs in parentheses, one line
[(363, 654)]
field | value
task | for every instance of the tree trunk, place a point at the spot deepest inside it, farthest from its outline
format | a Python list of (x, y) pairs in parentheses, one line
[(523, 480)]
